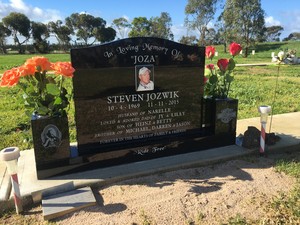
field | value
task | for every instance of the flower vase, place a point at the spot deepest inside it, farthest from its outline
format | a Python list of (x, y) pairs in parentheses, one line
[(51, 142), (220, 117)]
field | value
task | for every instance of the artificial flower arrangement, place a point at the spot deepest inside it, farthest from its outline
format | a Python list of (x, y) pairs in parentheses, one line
[(42, 82), (217, 81)]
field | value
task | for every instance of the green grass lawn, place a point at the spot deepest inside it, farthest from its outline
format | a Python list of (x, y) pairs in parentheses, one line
[(13, 60)]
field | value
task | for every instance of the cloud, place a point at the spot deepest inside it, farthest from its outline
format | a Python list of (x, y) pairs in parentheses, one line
[(127, 18), (19, 5), (292, 21), (33, 13), (270, 21), (180, 30)]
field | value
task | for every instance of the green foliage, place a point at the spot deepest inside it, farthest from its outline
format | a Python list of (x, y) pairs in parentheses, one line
[(273, 33), (255, 86), (219, 81), (244, 22), (154, 27), (285, 208), (198, 14), (293, 37), (19, 25), (145, 219), (14, 123), (39, 31), (121, 24), (140, 27), (9, 217), (161, 26), (289, 166), (61, 32), (237, 220), (45, 94), (87, 26), (10, 60), (105, 34), (4, 33)]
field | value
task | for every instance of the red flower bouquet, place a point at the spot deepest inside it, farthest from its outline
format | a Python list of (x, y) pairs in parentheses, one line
[(217, 80)]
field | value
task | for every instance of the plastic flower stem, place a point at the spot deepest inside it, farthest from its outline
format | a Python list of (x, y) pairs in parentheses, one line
[(43, 75), (225, 88), (274, 98), (61, 83), (227, 92)]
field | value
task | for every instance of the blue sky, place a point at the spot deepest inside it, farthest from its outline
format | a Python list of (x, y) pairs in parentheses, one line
[(278, 12)]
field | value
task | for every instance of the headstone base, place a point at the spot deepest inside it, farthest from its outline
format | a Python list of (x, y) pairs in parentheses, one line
[(61, 204)]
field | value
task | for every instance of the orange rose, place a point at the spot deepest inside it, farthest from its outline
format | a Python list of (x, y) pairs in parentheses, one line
[(23, 71), (63, 68), (223, 64), (210, 52), (37, 64), (10, 77), (235, 49)]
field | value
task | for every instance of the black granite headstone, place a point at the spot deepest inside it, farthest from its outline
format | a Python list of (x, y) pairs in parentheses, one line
[(122, 116)]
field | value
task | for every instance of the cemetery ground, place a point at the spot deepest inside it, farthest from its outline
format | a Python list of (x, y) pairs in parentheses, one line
[(167, 195), (248, 190)]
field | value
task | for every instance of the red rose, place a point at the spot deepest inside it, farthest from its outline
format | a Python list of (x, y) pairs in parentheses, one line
[(205, 79), (223, 64), (210, 52), (235, 49), (210, 66)]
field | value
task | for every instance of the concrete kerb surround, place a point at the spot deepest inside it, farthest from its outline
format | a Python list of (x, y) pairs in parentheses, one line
[(36, 196), (114, 174), (32, 189)]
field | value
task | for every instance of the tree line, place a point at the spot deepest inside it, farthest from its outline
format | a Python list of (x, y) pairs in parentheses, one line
[(239, 21)]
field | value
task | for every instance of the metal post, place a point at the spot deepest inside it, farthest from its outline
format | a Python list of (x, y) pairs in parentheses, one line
[(264, 111), (10, 156)]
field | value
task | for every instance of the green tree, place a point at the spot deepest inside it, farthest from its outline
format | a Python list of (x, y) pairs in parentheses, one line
[(122, 25), (85, 26), (105, 34), (61, 32), (188, 40), (198, 14), (39, 34), (295, 36), (39, 31), (161, 26), (273, 33), (210, 37), (244, 22), (141, 27), (223, 34), (19, 25), (155, 27), (4, 33)]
